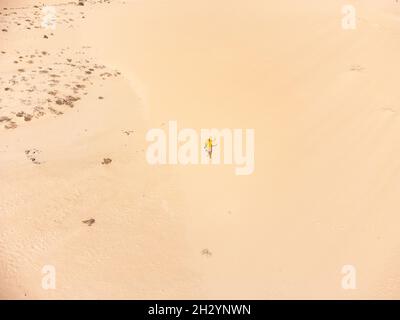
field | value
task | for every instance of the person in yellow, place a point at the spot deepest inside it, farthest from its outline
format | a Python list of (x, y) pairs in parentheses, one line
[(209, 146)]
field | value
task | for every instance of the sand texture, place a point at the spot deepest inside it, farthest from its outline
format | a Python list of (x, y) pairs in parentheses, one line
[(76, 190)]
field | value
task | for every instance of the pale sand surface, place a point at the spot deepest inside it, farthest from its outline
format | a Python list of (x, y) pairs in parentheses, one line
[(324, 104)]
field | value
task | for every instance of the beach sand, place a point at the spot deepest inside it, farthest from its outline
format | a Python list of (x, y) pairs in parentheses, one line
[(77, 101)]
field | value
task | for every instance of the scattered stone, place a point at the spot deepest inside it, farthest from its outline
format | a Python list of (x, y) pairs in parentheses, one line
[(4, 119), (206, 252), (53, 91), (32, 154), (89, 222), (55, 111), (106, 161), (10, 125)]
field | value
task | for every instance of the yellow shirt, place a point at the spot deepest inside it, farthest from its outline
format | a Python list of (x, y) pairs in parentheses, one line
[(209, 144)]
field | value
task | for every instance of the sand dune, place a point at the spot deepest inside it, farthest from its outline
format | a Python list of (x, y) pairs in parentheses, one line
[(77, 192)]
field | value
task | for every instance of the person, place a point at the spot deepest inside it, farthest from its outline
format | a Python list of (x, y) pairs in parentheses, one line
[(209, 146)]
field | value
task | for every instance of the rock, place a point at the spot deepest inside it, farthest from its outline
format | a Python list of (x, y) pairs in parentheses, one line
[(10, 125), (106, 161), (89, 222), (4, 119), (206, 252)]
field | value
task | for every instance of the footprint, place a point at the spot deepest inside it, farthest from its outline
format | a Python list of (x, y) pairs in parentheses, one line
[(32, 155), (356, 67)]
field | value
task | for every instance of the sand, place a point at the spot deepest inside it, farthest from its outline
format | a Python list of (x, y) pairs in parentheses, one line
[(77, 193)]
